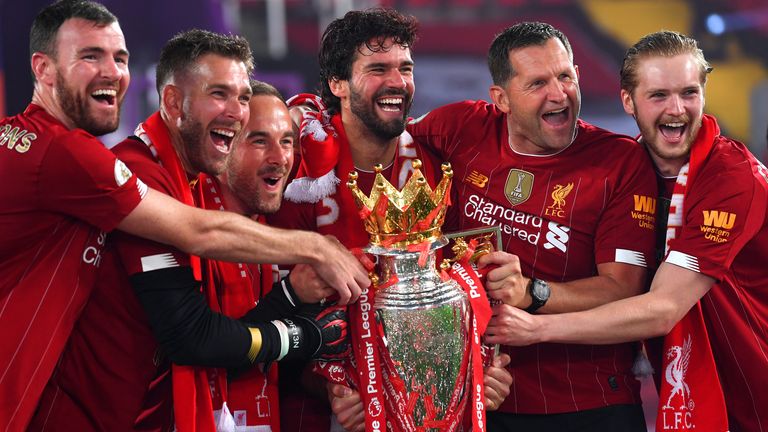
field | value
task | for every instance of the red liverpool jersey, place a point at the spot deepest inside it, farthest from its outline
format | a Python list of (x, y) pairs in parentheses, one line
[(62, 191), (561, 214), (112, 377), (725, 236)]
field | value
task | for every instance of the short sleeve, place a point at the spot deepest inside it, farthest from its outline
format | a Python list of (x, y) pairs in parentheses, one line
[(140, 255), (725, 207), (626, 230), (81, 178)]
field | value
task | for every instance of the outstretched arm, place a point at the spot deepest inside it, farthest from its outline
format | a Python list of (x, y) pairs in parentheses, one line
[(614, 281), (673, 292), (230, 237)]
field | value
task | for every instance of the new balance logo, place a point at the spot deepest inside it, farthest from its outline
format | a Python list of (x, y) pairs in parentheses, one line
[(645, 204), (477, 179), (719, 219)]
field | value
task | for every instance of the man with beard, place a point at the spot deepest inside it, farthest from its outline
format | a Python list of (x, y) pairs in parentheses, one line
[(147, 309), (568, 197), (711, 290), (367, 87), (63, 191)]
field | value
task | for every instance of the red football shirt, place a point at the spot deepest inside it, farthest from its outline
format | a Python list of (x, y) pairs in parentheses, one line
[(562, 214), (111, 376), (724, 235), (62, 191)]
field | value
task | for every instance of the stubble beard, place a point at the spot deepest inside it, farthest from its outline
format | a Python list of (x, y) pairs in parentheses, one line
[(249, 194)]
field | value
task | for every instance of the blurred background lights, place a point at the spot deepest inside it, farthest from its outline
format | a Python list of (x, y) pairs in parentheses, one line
[(715, 24)]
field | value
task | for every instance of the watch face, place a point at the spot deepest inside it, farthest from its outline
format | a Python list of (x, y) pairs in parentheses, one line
[(540, 290)]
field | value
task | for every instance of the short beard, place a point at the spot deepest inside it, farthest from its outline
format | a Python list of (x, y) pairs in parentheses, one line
[(366, 113), (76, 109), (192, 135), (248, 195)]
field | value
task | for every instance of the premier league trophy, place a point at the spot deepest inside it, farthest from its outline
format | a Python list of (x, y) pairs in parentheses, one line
[(423, 316)]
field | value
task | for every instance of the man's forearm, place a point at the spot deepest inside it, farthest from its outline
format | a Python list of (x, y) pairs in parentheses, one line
[(218, 235), (673, 292), (616, 281), (629, 319)]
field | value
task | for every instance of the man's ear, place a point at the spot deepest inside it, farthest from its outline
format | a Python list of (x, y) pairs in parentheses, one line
[(338, 87), (43, 68), (499, 98), (172, 100), (626, 101)]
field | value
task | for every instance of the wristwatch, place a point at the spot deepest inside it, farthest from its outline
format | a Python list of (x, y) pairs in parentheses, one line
[(539, 291)]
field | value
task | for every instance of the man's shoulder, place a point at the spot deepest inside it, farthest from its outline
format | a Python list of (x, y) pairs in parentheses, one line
[(143, 162), (732, 158), (466, 108), (133, 149), (611, 144), (591, 132), (728, 150), (35, 128)]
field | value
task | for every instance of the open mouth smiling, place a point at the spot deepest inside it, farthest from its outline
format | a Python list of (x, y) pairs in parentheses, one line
[(222, 139), (391, 103), (556, 117), (673, 130), (105, 96)]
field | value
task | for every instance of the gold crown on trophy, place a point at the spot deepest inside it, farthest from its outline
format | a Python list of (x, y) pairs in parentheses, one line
[(396, 218)]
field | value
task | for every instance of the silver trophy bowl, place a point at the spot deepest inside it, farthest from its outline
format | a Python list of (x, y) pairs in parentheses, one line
[(426, 326)]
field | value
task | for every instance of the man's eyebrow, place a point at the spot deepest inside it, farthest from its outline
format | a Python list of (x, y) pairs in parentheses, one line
[(100, 50)]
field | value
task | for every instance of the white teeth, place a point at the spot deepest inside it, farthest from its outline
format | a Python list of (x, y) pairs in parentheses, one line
[(391, 101), (104, 92), (224, 132), (674, 125), (556, 111)]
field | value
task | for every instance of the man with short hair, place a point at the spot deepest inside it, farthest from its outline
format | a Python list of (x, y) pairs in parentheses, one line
[(69, 191), (147, 309), (566, 196), (716, 241)]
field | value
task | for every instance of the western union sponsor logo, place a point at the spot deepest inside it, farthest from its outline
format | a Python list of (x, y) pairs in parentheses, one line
[(645, 204), (719, 219)]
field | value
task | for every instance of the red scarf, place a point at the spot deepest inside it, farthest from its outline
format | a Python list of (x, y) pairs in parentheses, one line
[(233, 289), (191, 397), (691, 396)]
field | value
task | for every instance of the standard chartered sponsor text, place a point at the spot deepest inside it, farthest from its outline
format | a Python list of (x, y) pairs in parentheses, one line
[(511, 222)]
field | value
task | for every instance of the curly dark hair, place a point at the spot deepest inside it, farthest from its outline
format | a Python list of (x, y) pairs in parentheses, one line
[(520, 35), (46, 25), (183, 50), (344, 37)]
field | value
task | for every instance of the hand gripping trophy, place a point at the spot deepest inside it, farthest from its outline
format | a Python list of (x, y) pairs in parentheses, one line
[(416, 340)]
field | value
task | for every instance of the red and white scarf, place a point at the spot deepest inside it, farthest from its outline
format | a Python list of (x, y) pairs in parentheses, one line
[(691, 396), (250, 400), (326, 161), (191, 396)]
